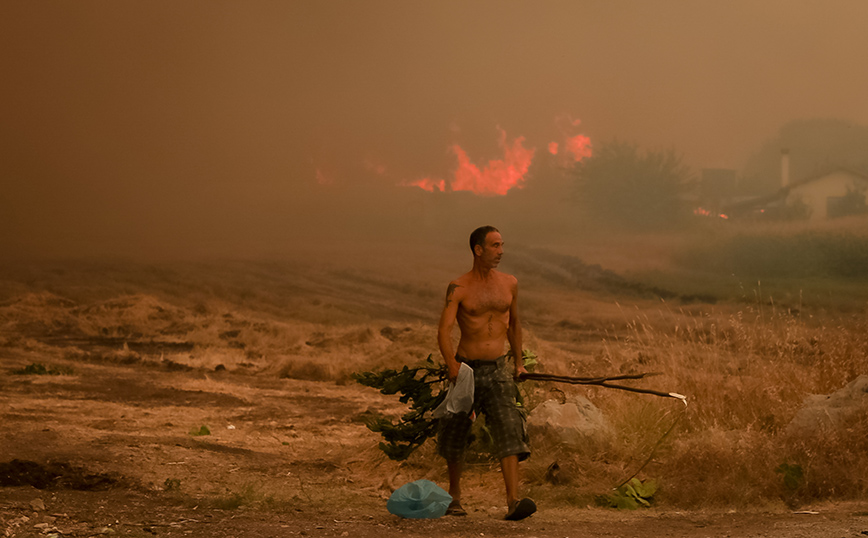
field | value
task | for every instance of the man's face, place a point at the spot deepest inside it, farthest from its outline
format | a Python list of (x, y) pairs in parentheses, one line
[(492, 250)]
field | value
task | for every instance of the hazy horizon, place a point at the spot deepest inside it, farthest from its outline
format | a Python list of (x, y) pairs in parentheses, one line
[(156, 128)]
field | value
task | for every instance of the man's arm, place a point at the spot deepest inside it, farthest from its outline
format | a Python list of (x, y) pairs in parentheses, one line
[(513, 332), (444, 330)]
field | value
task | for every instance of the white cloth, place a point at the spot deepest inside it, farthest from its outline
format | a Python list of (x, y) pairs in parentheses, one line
[(459, 398)]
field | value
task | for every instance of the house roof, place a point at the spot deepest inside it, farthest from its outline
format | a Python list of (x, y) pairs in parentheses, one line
[(827, 172), (783, 192)]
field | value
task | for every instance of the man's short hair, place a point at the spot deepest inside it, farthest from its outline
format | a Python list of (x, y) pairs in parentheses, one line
[(478, 236)]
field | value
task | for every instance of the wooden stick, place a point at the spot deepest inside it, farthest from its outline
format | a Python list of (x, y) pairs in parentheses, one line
[(602, 382), (584, 380)]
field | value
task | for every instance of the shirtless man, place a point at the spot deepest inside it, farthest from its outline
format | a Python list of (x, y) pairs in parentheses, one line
[(484, 302)]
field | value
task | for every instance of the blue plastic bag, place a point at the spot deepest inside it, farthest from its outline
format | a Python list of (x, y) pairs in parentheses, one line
[(421, 499)]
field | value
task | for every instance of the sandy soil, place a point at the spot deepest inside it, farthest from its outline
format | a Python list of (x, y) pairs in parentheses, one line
[(283, 459)]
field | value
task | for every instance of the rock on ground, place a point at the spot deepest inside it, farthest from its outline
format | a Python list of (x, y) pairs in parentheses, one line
[(576, 423), (828, 411)]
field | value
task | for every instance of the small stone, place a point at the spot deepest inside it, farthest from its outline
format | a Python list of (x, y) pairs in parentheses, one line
[(37, 505)]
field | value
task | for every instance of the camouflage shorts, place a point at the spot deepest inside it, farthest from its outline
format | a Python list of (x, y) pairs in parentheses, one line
[(495, 397)]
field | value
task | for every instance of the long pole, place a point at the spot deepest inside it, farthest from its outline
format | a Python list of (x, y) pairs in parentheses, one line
[(603, 382)]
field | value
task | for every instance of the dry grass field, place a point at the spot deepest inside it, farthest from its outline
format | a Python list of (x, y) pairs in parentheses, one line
[(139, 357)]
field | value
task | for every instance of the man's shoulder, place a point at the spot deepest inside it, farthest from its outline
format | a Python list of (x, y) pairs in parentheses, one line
[(457, 284), (506, 277)]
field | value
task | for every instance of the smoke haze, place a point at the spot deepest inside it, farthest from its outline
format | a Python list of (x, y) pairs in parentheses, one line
[(174, 129)]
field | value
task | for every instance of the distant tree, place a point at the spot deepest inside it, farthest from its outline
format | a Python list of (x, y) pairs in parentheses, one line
[(815, 146), (628, 188)]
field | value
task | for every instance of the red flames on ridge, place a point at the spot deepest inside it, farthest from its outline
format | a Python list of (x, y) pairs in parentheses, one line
[(579, 146), (702, 212), (428, 184), (553, 148), (497, 178), (501, 175)]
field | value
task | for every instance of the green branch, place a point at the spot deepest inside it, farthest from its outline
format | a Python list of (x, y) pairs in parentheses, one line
[(415, 386)]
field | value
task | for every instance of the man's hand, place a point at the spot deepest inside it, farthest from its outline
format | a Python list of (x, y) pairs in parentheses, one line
[(519, 370), (452, 368)]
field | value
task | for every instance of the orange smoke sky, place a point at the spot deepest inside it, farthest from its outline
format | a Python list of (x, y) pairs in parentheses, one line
[(134, 125)]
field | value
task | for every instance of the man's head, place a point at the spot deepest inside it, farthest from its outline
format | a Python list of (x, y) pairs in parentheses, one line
[(487, 245)]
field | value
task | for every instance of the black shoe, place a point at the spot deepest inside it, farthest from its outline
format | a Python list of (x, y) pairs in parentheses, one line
[(520, 509)]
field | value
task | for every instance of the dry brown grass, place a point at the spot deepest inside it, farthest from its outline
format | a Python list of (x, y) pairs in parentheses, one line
[(746, 373), (745, 364)]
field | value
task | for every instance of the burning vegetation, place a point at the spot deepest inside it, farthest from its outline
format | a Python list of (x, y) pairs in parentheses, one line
[(499, 176)]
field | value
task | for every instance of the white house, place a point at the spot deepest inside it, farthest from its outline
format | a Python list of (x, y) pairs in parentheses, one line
[(828, 195), (837, 192)]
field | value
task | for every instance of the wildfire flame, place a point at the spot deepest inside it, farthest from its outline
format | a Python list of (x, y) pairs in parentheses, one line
[(497, 178), (500, 175), (702, 212), (579, 146), (428, 184), (553, 148)]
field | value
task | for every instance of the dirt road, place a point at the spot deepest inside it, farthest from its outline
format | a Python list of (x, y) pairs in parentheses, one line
[(114, 454)]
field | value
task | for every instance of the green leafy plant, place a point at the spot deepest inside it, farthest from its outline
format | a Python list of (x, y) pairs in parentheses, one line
[(631, 495), (415, 386), (529, 359), (203, 430), (793, 475)]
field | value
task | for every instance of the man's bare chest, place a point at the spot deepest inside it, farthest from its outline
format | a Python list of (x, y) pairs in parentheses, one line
[(486, 299)]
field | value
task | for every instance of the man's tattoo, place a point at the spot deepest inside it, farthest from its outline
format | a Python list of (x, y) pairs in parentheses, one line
[(449, 291), (490, 326)]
